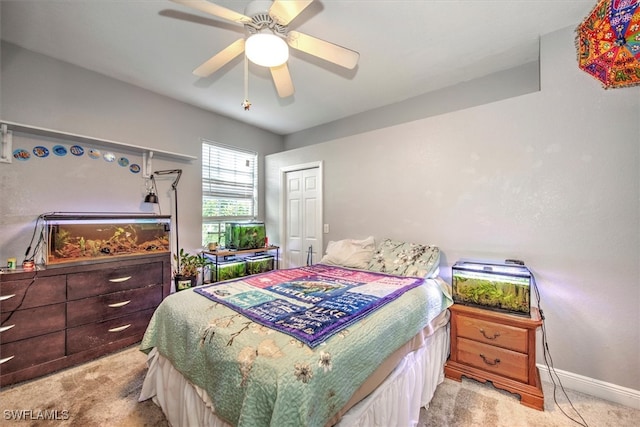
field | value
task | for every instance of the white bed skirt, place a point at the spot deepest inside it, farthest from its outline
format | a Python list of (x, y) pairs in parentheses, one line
[(396, 402)]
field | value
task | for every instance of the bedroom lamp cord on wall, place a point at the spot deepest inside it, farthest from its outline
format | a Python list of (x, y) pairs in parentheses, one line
[(549, 362)]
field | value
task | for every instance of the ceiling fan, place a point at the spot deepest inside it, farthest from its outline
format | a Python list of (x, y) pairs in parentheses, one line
[(268, 38)]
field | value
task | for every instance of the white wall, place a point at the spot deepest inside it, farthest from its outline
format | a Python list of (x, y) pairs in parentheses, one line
[(551, 177), (38, 90)]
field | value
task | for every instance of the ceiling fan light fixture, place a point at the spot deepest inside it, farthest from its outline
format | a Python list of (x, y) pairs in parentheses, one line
[(267, 50)]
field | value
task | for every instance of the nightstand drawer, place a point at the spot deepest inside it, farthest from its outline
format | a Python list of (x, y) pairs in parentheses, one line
[(32, 322), (115, 304), (92, 335), (98, 282), (492, 333), (503, 362)]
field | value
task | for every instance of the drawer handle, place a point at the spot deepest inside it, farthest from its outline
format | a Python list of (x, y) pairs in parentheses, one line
[(495, 335), (119, 304), (120, 279), (6, 297), (6, 328), (489, 362), (6, 359), (119, 328)]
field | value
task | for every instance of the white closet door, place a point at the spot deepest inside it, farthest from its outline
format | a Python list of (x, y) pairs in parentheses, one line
[(303, 216)]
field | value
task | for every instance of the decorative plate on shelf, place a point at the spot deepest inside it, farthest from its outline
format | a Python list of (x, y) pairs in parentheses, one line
[(21, 154), (123, 161), (76, 150), (59, 150), (40, 151), (109, 157), (134, 168), (94, 154)]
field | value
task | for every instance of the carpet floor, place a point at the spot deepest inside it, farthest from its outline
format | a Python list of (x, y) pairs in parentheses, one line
[(105, 392)]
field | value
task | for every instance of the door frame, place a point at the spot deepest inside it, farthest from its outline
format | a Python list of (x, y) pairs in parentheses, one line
[(283, 203)]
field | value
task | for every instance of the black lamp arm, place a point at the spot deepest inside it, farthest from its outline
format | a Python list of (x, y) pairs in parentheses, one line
[(170, 172)]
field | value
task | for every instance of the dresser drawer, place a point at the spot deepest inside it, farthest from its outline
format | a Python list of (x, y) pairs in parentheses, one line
[(500, 361), (32, 322), (22, 354), (93, 335), (30, 293), (115, 304), (492, 333), (107, 280)]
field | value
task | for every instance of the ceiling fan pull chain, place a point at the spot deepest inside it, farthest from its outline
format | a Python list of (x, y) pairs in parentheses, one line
[(246, 104)]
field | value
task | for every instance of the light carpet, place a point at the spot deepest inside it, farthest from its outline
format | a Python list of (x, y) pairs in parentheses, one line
[(105, 392)]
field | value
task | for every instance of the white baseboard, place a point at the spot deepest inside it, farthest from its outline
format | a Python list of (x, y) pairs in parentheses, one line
[(603, 390)]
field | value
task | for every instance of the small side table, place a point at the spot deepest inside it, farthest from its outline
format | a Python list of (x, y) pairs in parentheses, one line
[(497, 347)]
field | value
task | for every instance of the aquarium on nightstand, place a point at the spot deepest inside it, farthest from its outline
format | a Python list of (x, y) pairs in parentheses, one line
[(83, 238), (502, 287), (244, 235)]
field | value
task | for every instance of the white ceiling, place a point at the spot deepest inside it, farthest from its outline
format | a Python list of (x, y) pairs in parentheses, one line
[(406, 48)]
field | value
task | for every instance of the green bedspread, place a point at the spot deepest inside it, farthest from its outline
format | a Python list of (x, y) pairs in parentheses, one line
[(259, 377)]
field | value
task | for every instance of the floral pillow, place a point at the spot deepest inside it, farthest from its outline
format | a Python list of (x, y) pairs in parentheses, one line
[(405, 259)]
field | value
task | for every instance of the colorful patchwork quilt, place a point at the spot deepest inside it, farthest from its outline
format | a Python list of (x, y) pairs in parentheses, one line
[(309, 303)]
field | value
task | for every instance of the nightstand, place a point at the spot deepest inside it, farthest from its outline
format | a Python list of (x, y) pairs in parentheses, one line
[(497, 347)]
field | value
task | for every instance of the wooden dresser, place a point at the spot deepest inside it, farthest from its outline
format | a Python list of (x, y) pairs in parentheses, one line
[(62, 316), (501, 348)]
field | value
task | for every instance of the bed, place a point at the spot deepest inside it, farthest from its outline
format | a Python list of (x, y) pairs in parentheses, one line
[(214, 360)]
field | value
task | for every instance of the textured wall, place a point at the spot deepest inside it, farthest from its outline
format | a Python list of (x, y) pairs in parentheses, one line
[(40, 91), (551, 177)]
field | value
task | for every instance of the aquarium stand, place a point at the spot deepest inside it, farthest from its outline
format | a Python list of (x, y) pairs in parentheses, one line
[(498, 347)]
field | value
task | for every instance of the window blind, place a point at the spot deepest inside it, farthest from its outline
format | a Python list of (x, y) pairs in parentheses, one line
[(229, 182)]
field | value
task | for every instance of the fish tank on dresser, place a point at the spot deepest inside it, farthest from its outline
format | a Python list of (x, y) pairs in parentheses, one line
[(503, 287), (83, 238)]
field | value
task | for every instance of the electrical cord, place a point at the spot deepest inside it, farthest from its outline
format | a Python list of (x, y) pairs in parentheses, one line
[(549, 362), (24, 295), (40, 239)]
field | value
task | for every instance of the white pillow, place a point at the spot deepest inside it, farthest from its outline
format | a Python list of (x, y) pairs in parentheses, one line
[(350, 253)]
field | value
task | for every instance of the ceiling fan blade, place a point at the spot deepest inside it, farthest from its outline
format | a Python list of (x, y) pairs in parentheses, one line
[(339, 55), (282, 80), (215, 10), (285, 11), (220, 59)]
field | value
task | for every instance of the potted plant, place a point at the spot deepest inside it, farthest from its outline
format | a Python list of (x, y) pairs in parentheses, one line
[(188, 267)]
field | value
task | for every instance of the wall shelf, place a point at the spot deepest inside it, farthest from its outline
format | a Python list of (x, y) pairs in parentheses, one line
[(8, 128)]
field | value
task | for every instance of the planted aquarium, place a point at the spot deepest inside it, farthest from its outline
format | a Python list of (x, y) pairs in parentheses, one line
[(500, 287), (245, 235), (231, 269), (86, 237), (259, 264)]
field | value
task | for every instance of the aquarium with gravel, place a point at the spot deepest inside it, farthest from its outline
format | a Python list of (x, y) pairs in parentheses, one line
[(88, 237), (500, 287)]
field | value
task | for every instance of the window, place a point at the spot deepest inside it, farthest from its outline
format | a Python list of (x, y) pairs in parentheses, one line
[(229, 188)]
